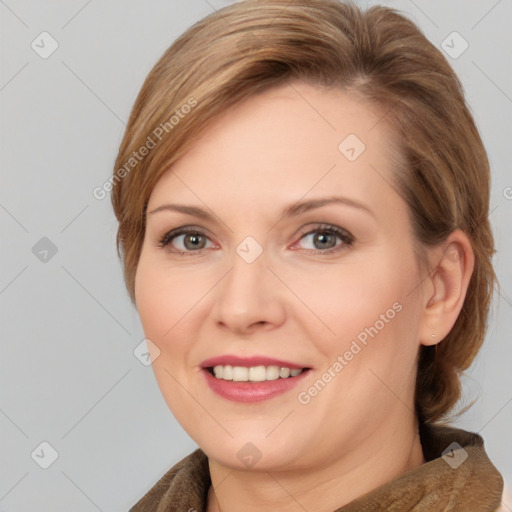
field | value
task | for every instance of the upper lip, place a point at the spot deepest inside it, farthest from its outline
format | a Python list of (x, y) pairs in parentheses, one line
[(249, 361)]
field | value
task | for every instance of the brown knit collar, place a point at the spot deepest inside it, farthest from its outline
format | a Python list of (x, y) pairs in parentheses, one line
[(463, 479)]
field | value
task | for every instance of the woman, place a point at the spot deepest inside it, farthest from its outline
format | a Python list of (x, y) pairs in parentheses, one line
[(302, 197)]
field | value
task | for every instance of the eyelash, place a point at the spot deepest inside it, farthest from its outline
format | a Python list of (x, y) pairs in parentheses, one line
[(171, 235), (346, 238), (329, 229)]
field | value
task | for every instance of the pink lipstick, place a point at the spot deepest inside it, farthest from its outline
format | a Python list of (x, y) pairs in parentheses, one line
[(251, 379)]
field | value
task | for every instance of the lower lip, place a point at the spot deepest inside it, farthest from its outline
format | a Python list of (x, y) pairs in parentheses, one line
[(252, 391)]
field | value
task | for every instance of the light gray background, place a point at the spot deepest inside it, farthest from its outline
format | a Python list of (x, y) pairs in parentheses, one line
[(67, 368)]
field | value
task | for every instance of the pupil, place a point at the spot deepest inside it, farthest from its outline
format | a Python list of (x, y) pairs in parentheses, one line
[(194, 242), (323, 239)]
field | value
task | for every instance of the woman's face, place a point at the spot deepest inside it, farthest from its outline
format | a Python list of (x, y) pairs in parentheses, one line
[(279, 241)]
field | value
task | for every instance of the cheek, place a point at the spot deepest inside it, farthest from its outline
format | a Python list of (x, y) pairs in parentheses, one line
[(351, 297), (149, 300), (163, 300), (369, 316), (159, 309), (164, 297), (373, 353)]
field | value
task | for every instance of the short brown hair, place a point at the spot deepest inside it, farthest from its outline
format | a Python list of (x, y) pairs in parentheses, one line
[(378, 54)]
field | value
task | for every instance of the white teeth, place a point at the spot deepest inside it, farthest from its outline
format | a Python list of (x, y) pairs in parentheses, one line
[(284, 373), (254, 373), (240, 373), (257, 373), (227, 372), (273, 372)]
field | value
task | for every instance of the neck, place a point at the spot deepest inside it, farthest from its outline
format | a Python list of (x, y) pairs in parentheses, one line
[(387, 454)]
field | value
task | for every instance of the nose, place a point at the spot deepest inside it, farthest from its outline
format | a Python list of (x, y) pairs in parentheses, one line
[(249, 298)]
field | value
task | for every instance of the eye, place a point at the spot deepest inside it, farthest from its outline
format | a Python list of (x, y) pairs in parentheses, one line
[(325, 239), (185, 240)]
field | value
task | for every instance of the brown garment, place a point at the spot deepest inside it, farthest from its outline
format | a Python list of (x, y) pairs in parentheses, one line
[(442, 484)]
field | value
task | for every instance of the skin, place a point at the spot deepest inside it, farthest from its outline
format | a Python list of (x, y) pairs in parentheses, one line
[(296, 301)]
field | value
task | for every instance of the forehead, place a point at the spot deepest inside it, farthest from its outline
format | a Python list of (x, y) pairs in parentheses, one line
[(286, 142)]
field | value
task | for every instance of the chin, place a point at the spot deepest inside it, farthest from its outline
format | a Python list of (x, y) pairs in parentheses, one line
[(260, 454)]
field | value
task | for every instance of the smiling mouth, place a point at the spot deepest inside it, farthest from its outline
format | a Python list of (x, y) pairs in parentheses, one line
[(259, 373)]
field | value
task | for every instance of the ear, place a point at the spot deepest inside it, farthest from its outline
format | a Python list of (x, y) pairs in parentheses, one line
[(450, 266)]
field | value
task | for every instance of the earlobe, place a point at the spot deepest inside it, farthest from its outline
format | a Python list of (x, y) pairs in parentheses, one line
[(451, 266)]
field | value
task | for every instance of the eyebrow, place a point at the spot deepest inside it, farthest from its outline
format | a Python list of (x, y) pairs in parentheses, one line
[(290, 211)]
